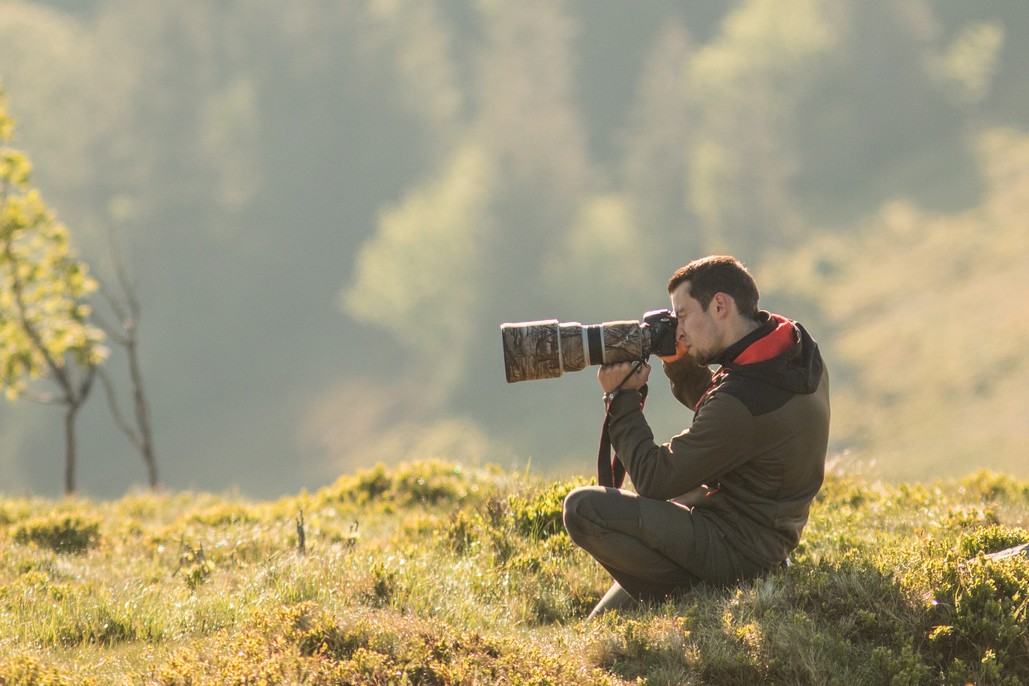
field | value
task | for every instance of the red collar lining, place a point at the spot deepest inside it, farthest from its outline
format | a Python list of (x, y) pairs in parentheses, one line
[(781, 339)]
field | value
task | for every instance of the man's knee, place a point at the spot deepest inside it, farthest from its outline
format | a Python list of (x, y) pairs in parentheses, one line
[(570, 508), (577, 495), (576, 509)]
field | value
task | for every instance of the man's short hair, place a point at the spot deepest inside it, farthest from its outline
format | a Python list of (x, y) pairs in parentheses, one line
[(718, 274)]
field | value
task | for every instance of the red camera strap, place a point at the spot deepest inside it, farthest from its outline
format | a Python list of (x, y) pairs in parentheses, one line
[(610, 470)]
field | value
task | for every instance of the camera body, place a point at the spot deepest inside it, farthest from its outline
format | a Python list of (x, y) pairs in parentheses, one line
[(661, 324), (547, 349)]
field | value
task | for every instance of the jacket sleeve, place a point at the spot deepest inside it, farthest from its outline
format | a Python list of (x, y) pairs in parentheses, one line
[(720, 439), (688, 380)]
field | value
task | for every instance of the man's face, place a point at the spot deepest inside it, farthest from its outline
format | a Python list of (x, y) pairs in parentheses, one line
[(697, 329)]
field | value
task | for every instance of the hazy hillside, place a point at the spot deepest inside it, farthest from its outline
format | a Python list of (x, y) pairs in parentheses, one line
[(924, 322), (330, 207)]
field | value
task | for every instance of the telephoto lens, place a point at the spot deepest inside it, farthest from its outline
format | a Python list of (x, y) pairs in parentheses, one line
[(548, 349)]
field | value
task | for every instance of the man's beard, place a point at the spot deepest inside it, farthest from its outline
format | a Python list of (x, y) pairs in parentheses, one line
[(702, 357)]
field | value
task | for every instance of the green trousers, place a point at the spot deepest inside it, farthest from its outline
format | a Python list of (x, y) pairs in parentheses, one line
[(653, 548)]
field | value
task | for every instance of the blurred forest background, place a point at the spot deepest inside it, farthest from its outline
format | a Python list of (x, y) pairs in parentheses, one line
[(328, 209)]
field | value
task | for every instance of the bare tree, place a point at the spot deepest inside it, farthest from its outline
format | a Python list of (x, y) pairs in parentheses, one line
[(128, 311)]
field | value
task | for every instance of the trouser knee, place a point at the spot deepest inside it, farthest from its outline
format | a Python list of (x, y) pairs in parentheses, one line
[(576, 511)]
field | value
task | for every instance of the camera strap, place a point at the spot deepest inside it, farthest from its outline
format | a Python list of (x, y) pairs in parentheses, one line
[(610, 470)]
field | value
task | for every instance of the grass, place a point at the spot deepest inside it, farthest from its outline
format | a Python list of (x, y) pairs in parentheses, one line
[(433, 573)]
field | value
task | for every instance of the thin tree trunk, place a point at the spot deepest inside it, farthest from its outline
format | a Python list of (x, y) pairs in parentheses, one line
[(127, 310), (146, 442), (69, 448)]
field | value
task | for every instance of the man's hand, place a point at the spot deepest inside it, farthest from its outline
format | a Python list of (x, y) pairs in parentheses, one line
[(680, 352), (612, 375)]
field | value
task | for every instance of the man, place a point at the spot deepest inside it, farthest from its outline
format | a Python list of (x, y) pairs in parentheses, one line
[(726, 499)]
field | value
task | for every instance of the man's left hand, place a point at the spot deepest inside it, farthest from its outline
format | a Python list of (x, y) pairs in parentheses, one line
[(612, 375)]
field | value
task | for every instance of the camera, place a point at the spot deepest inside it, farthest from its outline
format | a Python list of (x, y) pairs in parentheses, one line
[(547, 349)]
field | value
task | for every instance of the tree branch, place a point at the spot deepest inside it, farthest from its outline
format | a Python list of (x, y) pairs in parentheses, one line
[(119, 418)]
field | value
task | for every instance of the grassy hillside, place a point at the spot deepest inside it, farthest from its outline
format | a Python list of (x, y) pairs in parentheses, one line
[(922, 319), (437, 574)]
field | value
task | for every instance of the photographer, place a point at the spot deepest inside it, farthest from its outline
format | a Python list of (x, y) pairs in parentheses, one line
[(726, 499)]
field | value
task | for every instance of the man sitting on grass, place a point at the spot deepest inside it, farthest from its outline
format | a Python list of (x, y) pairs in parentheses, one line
[(726, 499)]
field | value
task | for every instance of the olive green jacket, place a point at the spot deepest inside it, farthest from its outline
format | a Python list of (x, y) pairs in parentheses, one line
[(754, 457)]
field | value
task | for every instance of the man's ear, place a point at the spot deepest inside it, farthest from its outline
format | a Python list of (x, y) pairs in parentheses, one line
[(722, 305)]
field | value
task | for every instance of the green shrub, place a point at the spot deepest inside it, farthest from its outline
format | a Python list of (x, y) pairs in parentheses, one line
[(979, 618), (429, 482), (194, 567), (26, 670), (538, 514), (988, 486), (990, 539), (223, 515), (62, 533), (314, 632)]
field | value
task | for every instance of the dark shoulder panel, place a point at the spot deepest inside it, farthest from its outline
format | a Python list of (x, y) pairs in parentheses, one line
[(759, 397)]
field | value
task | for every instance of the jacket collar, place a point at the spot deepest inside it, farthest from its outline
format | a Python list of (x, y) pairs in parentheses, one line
[(773, 336)]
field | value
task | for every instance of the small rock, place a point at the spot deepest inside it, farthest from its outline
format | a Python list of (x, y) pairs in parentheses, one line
[(1010, 552)]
